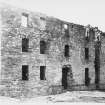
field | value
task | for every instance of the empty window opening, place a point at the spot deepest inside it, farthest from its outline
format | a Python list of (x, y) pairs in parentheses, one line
[(25, 44), (87, 32), (66, 29), (86, 53), (24, 72), (42, 18), (65, 26), (72, 26), (24, 20), (42, 72), (42, 47), (66, 51), (87, 79)]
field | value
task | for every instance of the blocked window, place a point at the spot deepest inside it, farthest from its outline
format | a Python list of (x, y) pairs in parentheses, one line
[(87, 80), (24, 20), (25, 75), (25, 44), (86, 53), (42, 72), (66, 51), (42, 47)]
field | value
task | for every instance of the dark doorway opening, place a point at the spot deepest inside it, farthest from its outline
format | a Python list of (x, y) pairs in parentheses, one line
[(87, 79), (64, 77)]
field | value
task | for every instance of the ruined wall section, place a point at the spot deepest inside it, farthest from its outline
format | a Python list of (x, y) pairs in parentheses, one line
[(10, 52), (77, 44), (90, 63), (51, 30), (78, 62), (13, 58), (102, 62), (53, 54)]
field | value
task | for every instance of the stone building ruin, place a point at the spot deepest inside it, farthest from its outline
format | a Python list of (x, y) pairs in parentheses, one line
[(42, 55)]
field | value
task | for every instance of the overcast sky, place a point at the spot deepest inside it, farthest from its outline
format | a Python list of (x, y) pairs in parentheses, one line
[(77, 11)]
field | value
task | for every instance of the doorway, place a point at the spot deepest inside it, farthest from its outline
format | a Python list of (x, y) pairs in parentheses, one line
[(65, 70)]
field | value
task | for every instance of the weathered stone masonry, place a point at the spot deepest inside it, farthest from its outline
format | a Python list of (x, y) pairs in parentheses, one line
[(72, 57)]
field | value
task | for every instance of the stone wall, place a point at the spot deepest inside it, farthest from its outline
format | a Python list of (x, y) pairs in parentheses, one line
[(102, 62), (51, 30)]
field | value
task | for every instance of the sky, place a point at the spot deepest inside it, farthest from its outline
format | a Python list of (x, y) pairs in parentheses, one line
[(82, 12)]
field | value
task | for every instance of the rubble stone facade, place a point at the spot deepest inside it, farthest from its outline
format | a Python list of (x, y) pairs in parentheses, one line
[(48, 55)]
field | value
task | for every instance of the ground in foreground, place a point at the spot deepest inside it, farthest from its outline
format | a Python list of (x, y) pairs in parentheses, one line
[(69, 96)]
